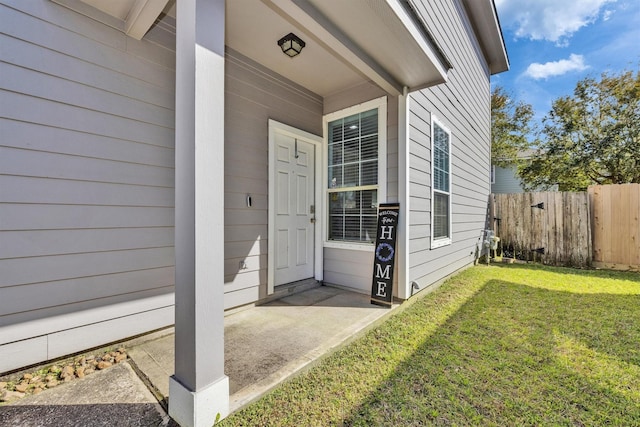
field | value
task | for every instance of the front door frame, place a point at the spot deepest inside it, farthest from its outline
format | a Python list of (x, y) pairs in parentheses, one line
[(317, 141)]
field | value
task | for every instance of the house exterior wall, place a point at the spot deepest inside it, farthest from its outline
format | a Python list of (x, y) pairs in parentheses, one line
[(87, 174), (86, 182), (462, 105), (506, 181), (253, 95), (87, 179), (348, 267)]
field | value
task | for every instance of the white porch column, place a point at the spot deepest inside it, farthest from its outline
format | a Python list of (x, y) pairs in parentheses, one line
[(199, 389), (404, 284)]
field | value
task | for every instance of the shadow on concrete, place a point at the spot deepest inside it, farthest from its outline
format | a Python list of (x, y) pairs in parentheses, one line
[(325, 296), (112, 397)]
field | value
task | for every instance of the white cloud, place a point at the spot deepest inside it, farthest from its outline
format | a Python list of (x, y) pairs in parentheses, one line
[(556, 68), (552, 20)]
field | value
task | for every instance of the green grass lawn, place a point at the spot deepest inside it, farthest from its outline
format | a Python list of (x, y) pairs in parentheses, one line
[(499, 345)]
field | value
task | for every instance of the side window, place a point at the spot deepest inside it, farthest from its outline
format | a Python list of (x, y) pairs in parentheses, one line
[(441, 185)]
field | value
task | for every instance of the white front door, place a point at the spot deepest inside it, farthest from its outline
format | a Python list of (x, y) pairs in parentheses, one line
[(294, 208)]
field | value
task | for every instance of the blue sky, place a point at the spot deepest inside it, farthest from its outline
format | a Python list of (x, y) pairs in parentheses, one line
[(552, 44)]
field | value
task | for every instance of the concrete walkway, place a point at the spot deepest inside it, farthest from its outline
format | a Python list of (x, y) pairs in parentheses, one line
[(264, 345)]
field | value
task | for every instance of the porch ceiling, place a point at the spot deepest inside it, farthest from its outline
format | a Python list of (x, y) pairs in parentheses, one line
[(253, 29), (347, 42)]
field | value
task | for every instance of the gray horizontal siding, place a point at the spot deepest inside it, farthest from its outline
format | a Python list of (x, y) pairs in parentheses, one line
[(35, 83), (62, 292), (22, 216), (24, 353), (86, 181), (38, 164), (64, 341), (36, 243), (35, 190), (32, 270), (254, 95), (74, 69), (54, 319), (348, 268), (48, 139), (71, 34), (461, 104), (352, 96), (506, 181), (50, 113), (89, 327)]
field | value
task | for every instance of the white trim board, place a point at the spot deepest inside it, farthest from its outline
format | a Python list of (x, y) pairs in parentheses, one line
[(404, 196), (446, 241)]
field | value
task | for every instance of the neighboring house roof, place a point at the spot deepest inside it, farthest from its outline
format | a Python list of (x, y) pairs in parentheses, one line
[(527, 154), (524, 154)]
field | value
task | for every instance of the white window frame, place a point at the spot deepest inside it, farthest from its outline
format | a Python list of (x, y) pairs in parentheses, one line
[(493, 174), (381, 105), (437, 243)]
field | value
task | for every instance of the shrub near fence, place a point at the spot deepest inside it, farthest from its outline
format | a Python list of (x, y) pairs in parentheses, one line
[(615, 221), (548, 227)]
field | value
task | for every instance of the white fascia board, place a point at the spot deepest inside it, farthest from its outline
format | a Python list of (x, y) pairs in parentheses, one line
[(486, 24), (142, 16), (415, 32)]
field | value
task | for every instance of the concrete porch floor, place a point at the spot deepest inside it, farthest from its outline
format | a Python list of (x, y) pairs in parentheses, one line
[(266, 344)]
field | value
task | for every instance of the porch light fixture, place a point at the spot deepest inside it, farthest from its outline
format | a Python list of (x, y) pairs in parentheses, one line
[(291, 45)]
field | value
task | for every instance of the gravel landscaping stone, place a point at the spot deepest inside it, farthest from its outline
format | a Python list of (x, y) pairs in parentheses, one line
[(16, 386)]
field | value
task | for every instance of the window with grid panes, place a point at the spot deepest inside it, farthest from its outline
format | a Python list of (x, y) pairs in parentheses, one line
[(353, 177), (441, 162)]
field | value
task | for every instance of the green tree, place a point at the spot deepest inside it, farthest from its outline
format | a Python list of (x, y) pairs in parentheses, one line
[(592, 137), (510, 126)]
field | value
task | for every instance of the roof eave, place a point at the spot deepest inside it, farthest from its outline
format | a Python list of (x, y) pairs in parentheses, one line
[(486, 24)]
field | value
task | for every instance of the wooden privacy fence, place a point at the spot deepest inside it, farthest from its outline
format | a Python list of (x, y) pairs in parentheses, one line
[(615, 212), (549, 227)]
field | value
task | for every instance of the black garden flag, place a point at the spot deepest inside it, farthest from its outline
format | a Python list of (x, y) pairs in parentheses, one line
[(385, 254)]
